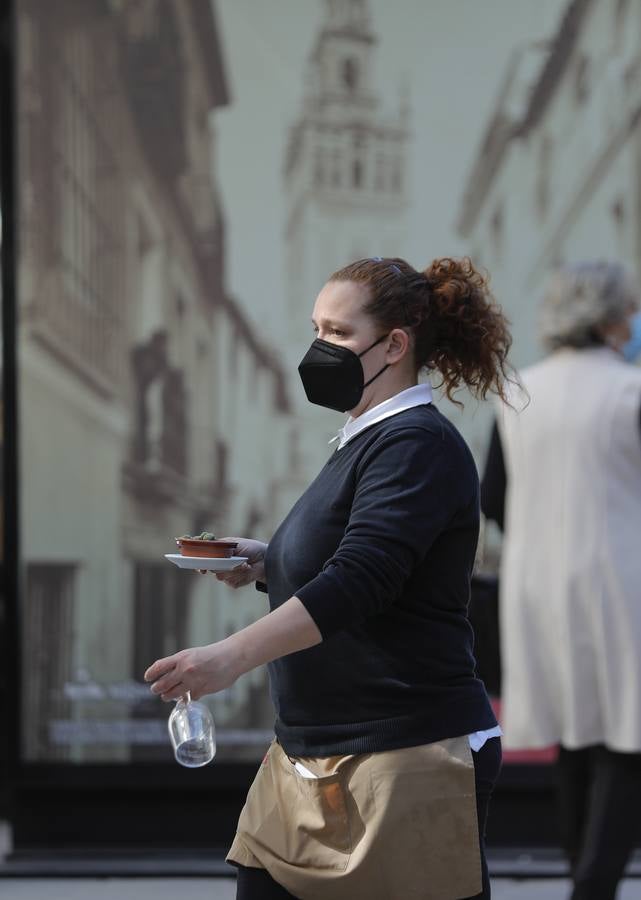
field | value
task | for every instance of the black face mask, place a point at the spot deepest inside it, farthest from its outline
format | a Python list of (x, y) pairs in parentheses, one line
[(333, 375)]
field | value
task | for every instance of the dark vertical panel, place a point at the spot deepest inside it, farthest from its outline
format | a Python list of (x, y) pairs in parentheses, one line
[(9, 624)]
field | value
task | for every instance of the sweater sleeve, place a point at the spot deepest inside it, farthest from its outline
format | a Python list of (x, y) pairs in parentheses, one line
[(408, 490)]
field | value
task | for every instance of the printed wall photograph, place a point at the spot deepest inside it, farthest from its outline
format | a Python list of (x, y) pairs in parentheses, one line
[(191, 174)]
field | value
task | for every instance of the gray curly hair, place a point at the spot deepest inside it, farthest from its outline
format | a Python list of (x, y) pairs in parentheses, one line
[(582, 296)]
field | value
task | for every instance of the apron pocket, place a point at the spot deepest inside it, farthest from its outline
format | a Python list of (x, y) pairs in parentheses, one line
[(322, 831), (301, 821)]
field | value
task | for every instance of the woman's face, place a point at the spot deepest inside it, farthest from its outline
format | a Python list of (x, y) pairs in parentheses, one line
[(339, 317)]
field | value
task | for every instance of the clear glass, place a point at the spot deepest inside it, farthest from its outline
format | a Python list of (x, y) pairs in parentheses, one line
[(192, 733)]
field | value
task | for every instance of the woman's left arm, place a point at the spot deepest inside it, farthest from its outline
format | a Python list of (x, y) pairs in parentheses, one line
[(411, 486), (206, 670)]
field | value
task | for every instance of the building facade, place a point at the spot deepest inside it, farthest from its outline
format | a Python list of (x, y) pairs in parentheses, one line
[(142, 384), (558, 174), (557, 177)]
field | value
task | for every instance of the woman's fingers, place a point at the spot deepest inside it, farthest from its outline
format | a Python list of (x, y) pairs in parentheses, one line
[(159, 668), (167, 679), (238, 577), (241, 581), (174, 692), (229, 577)]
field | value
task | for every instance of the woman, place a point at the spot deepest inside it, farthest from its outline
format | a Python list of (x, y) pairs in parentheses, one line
[(571, 576), (386, 749)]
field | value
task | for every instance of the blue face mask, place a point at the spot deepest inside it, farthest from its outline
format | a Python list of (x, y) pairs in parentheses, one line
[(632, 348)]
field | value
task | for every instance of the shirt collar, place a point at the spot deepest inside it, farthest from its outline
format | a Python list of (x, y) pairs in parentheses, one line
[(417, 395)]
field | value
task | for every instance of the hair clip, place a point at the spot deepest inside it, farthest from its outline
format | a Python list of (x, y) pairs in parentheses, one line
[(391, 265)]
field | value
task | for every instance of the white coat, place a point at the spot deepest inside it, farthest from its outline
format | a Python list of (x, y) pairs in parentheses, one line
[(571, 565)]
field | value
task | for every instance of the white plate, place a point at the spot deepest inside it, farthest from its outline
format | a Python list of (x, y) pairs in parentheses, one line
[(212, 565)]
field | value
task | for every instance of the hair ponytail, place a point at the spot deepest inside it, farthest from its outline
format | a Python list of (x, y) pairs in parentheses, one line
[(464, 333), (457, 326)]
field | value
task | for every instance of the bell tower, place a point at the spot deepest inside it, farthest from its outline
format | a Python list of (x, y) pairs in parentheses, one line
[(346, 186)]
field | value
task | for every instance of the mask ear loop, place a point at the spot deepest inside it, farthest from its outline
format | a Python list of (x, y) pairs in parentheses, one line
[(398, 272), (386, 366), (367, 383), (371, 346)]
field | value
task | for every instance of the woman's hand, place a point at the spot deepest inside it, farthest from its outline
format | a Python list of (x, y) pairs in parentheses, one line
[(199, 670), (252, 570)]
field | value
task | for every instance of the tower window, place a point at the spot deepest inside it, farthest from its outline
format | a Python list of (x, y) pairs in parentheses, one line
[(380, 173), (618, 211), (357, 173), (350, 74), (358, 167), (397, 180), (319, 172), (336, 169)]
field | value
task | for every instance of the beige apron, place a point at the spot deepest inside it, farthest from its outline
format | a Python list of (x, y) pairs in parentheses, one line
[(381, 826)]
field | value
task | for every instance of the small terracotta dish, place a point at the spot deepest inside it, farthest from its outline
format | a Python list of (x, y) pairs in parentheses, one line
[(206, 549)]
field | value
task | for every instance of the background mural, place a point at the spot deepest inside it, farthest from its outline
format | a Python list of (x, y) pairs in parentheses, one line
[(191, 172)]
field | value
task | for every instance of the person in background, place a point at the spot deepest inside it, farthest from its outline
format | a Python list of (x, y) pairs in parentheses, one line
[(386, 749), (563, 478)]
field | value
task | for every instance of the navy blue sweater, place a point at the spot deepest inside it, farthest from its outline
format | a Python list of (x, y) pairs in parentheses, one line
[(380, 549)]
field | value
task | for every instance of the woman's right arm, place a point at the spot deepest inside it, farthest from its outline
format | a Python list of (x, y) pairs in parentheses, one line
[(205, 670)]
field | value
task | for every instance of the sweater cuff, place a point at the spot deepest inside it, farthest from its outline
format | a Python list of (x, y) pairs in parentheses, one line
[(329, 615)]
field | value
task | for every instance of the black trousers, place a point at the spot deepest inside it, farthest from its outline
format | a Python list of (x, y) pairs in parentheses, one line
[(600, 816), (257, 884)]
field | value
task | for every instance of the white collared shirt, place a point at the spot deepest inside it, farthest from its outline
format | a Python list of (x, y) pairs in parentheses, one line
[(417, 395)]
